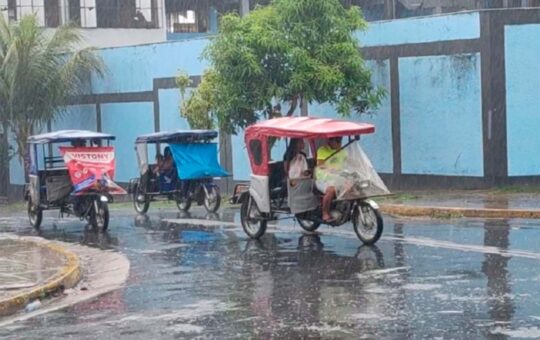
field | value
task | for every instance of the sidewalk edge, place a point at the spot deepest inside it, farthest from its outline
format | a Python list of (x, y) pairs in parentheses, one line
[(455, 212), (67, 277)]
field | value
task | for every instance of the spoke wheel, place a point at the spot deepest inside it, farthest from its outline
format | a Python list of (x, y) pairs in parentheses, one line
[(212, 200), (367, 223), (99, 217), (35, 214), (141, 203), (308, 225), (183, 203), (250, 216)]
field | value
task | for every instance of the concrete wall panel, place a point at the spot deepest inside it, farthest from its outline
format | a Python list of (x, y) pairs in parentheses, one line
[(522, 99), (441, 115)]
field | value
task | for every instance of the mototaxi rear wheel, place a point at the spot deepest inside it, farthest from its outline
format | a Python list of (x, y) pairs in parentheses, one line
[(212, 199), (183, 202), (307, 224), (253, 223)]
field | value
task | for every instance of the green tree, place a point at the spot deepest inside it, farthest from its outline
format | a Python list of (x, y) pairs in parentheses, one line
[(291, 52), (39, 72)]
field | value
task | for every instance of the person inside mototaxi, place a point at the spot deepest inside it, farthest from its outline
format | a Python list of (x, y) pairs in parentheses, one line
[(165, 168), (295, 161), (330, 160)]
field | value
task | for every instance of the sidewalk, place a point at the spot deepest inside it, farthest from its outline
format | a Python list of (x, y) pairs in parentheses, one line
[(32, 270), (472, 203)]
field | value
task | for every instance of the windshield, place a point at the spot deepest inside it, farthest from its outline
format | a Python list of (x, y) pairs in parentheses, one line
[(352, 173)]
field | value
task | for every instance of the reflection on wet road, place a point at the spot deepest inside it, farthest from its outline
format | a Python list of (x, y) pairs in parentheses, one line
[(424, 279)]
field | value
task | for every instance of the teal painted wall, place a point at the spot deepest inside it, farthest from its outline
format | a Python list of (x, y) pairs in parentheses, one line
[(378, 146), (422, 30), (133, 68), (522, 55), (169, 108), (127, 121), (441, 115), (440, 99)]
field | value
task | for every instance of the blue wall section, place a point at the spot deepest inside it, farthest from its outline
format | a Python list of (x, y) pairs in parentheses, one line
[(440, 99), (523, 99), (378, 146), (441, 115), (16, 171), (241, 167), (127, 121), (169, 109), (422, 30), (77, 117), (133, 68)]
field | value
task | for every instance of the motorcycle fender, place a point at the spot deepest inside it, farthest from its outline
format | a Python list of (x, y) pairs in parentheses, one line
[(372, 204)]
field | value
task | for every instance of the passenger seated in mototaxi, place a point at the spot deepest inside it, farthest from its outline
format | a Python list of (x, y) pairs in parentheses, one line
[(165, 170), (295, 161)]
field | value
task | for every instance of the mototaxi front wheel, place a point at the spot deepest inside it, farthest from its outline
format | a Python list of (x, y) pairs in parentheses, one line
[(99, 215), (367, 223), (35, 214), (141, 203), (253, 223)]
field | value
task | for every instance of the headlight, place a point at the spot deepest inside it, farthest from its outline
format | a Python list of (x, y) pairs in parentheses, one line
[(104, 199)]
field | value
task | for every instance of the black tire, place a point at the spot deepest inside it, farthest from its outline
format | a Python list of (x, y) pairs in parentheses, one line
[(100, 219), (141, 207), (254, 229), (367, 223), (183, 203), (308, 225), (212, 203), (35, 214)]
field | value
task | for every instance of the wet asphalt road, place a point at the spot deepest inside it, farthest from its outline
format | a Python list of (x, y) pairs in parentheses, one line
[(462, 279)]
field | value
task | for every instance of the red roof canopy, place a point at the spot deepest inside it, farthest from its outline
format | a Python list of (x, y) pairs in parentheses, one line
[(307, 127)]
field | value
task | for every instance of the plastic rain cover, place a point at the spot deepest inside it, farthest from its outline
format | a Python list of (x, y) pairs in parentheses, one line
[(354, 176)]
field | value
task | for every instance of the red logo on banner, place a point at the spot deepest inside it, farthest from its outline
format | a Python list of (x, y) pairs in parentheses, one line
[(91, 168)]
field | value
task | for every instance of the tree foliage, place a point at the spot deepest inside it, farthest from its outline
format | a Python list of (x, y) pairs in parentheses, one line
[(291, 51), (39, 72)]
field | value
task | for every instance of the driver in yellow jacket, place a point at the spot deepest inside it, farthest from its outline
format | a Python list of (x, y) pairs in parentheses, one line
[(330, 159)]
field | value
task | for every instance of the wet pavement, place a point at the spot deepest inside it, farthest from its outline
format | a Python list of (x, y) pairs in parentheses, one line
[(476, 199), (25, 265), (430, 279)]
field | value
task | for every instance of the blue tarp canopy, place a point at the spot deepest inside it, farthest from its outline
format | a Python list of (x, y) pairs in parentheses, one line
[(67, 136), (181, 136), (197, 160)]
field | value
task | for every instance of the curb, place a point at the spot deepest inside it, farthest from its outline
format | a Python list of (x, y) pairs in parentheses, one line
[(453, 212), (67, 277)]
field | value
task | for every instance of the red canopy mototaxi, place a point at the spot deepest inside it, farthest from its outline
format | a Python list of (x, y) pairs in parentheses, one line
[(256, 135)]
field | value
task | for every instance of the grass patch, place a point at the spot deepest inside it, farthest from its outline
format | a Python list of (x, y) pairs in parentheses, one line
[(517, 189), (402, 196), (13, 207), (446, 215)]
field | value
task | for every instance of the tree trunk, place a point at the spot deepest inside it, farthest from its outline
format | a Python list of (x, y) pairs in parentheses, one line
[(4, 160), (24, 131), (294, 105), (304, 105), (225, 159)]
